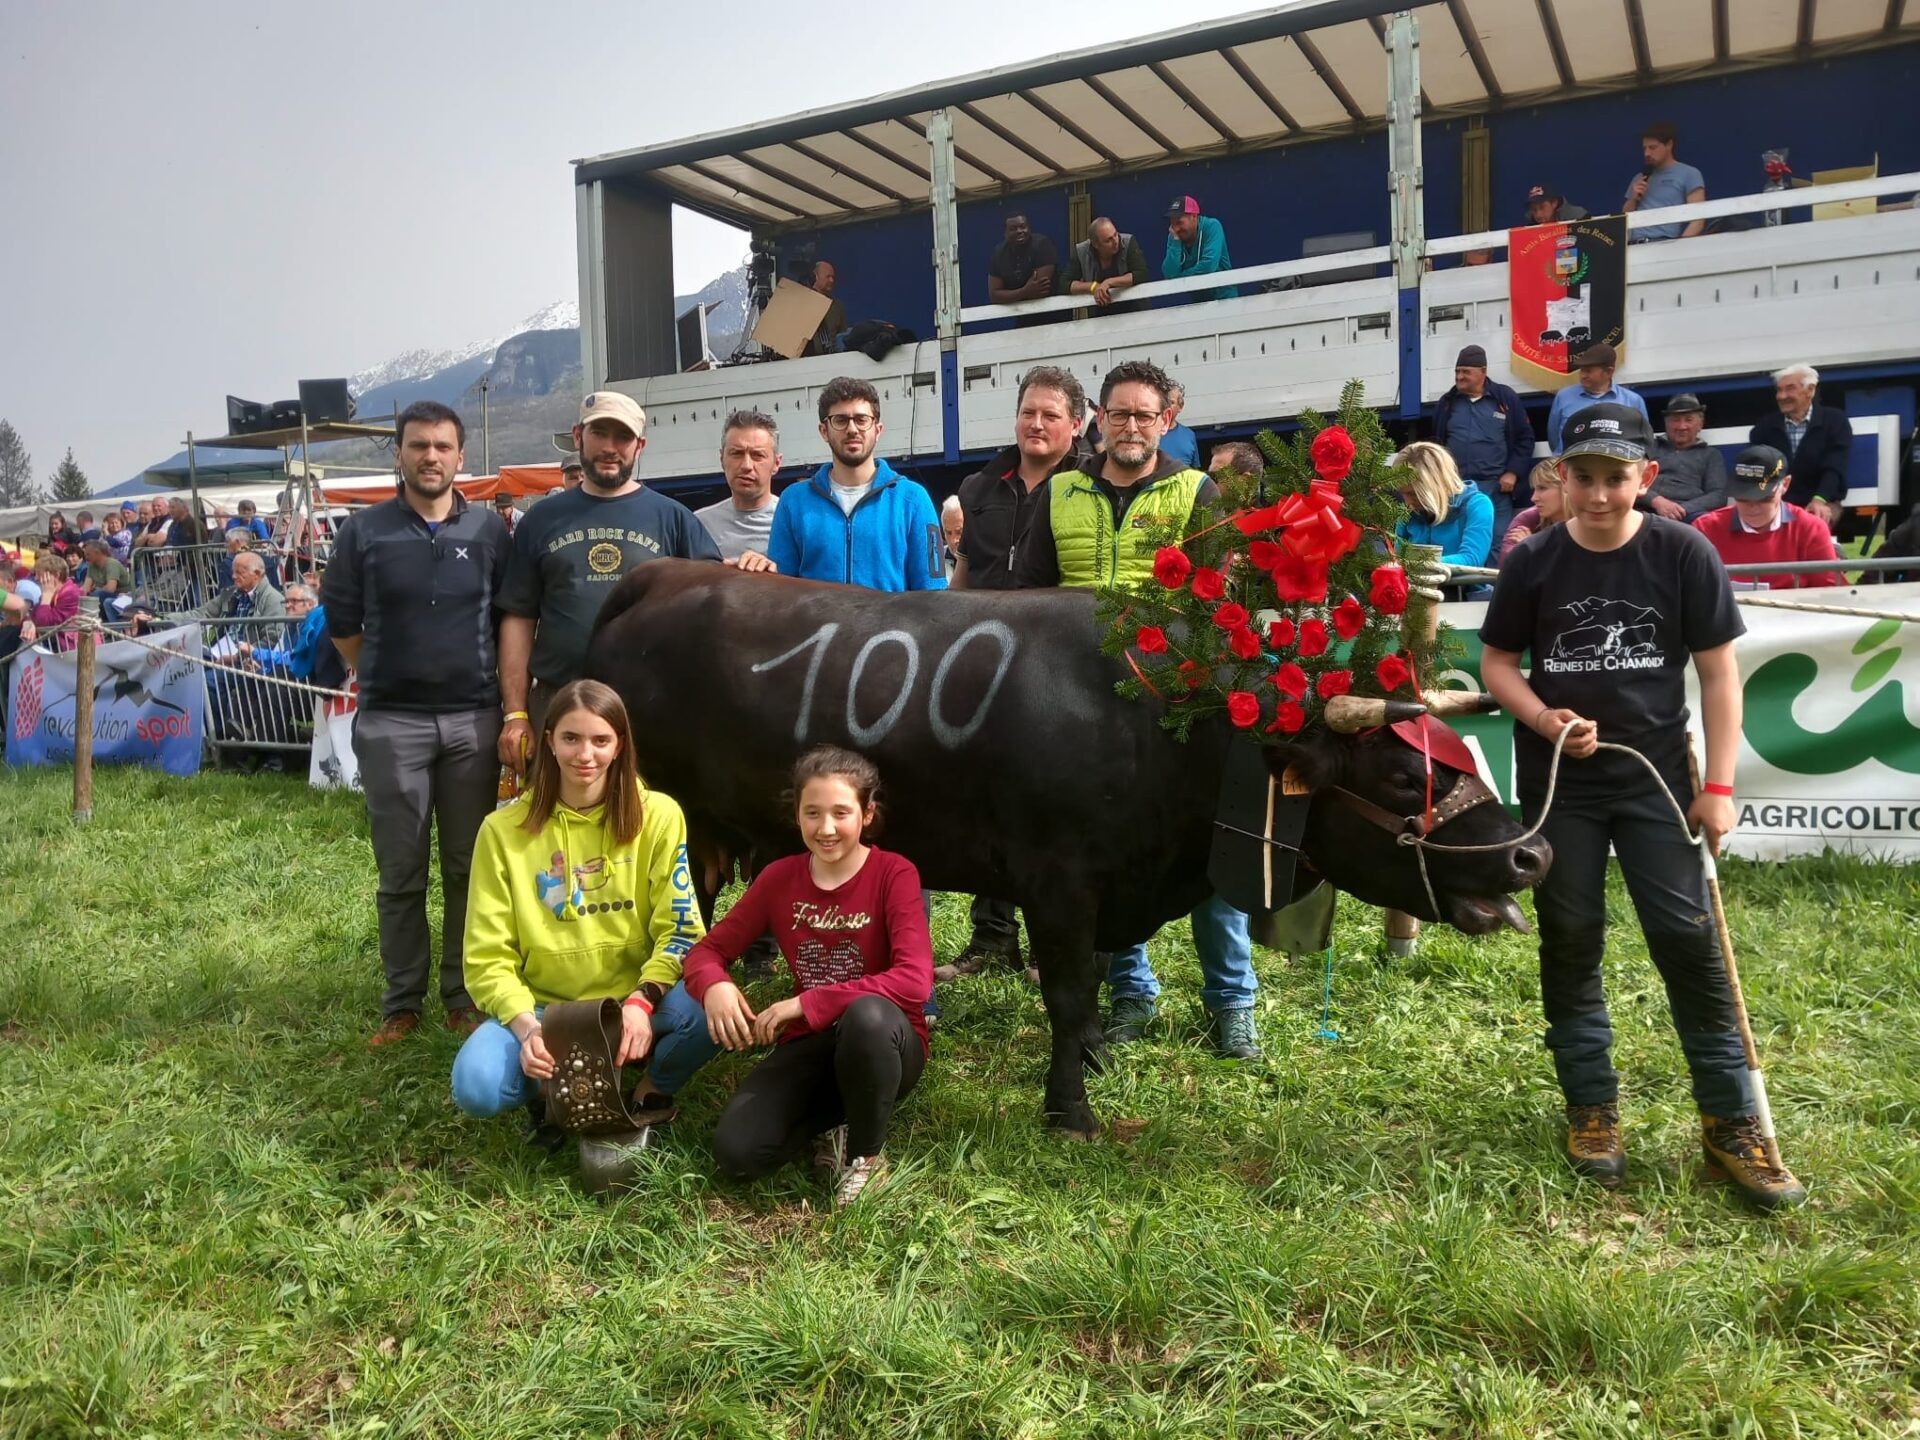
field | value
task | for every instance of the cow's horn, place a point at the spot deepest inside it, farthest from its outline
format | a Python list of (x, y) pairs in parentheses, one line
[(1460, 702), (1350, 714)]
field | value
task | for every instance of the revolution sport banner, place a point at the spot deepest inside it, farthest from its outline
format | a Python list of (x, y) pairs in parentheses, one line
[(1830, 744), (1567, 289), (149, 708)]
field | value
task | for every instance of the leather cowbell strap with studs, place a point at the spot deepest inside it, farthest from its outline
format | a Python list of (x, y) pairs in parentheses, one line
[(583, 1097)]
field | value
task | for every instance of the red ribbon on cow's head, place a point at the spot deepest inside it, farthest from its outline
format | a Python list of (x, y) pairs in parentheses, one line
[(1435, 740)]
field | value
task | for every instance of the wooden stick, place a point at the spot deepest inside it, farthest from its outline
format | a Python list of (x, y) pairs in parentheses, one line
[(83, 725), (1762, 1108)]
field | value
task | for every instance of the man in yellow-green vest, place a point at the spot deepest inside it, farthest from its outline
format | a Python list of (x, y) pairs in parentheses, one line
[(1096, 531)]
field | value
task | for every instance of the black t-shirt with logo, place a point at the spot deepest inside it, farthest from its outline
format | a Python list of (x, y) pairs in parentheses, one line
[(1610, 634), (572, 548)]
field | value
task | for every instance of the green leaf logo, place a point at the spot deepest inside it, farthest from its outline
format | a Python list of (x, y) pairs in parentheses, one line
[(1878, 730)]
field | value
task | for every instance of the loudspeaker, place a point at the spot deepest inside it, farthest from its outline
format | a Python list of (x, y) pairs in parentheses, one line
[(243, 416), (283, 415), (325, 401)]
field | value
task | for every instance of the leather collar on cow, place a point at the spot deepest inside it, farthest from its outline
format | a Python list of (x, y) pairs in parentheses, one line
[(1436, 740)]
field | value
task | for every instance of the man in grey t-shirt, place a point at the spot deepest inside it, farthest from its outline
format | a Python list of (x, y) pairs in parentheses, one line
[(749, 458)]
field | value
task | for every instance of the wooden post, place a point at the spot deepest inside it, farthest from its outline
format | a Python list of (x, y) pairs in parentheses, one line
[(1421, 618), (83, 724)]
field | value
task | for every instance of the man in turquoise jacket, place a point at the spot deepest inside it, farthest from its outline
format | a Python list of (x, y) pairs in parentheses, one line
[(856, 521), (1196, 245)]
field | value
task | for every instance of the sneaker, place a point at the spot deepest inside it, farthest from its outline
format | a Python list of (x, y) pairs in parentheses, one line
[(830, 1155), (394, 1028), (464, 1019), (1734, 1151), (859, 1173), (1129, 1018), (1593, 1143), (977, 957), (1234, 1035)]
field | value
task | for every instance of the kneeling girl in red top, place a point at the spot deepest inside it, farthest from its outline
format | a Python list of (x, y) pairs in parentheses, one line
[(852, 1041)]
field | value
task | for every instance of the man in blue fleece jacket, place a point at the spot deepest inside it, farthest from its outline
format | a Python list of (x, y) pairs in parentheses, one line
[(855, 520)]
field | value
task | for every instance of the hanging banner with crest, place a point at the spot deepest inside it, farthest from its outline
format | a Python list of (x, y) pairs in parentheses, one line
[(1567, 290)]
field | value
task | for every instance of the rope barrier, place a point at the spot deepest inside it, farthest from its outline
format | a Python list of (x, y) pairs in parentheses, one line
[(1767, 602), (265, 677)]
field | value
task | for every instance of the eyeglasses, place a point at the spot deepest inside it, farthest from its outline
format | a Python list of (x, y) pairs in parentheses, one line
[(1129, 419), (852, 422)]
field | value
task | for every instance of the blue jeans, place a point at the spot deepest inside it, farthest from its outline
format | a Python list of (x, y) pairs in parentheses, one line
[(488, 1080), (1227, 981), (1502, 516)]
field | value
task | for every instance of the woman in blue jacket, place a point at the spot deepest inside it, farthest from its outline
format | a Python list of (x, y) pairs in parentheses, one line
[(1456, 517)]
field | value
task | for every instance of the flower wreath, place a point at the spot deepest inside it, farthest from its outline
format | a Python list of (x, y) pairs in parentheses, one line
[(1292, 598)]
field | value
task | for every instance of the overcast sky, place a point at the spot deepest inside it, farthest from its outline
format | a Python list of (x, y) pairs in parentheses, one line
[(200, 197)]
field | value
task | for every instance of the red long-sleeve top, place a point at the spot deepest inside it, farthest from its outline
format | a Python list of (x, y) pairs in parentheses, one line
[(869, 937)]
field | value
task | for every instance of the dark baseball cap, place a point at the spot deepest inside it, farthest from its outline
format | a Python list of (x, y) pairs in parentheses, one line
[(1684, 403), (1616, 430), (572, 462), (1758, 473), (1543, 192), (1601, 354), (1183, 205)]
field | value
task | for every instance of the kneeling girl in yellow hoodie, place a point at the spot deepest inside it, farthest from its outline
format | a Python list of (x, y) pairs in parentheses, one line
[(581, 890)]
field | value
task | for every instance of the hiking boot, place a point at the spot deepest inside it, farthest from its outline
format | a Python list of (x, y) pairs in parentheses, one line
[(856, 1176), (652, 1110), (540, 1132), (1593, 1143), (1234, 1035), (830, 1155), (464, 1019), (1734, 1151), (977, 957), (1129, 1018), (394, 1028)]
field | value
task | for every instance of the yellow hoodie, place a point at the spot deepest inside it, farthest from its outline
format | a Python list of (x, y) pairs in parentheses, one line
[(568, 914)]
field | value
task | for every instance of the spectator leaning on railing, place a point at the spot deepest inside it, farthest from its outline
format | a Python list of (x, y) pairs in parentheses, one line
[(1761, 525), (1444, 510), (1549, 507), (1105, 265), (1196, 245), (59, 602)]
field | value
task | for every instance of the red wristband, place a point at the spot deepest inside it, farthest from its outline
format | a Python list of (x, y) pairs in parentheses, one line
[(639, 1002), (1713, 789)]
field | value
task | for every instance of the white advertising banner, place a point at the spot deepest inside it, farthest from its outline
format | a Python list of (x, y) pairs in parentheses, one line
[(1830, 746)]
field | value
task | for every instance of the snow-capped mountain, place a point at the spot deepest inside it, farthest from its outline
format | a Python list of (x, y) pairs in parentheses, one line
[(418, 364)]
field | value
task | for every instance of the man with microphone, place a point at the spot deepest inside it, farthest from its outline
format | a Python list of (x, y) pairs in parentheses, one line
[(1664, 181)]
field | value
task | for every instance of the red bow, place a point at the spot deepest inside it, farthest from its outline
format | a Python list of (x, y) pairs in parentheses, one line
[(1315, 528)]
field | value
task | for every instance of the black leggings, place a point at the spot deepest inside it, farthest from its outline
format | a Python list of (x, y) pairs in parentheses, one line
[(852, 1073)]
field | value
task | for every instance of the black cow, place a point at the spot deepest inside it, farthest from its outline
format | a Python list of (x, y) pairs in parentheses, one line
[(1010, 767)]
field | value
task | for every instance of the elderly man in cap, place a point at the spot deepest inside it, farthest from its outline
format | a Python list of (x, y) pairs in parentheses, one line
[(1196, 245), (1596, 387), (1485, 428), (1693, 477), (1545, 204), (1762, 525), (569, 553)]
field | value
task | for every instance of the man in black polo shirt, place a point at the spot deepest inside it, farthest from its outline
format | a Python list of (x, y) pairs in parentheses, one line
[(569, 553), (410, 593), (998, 501), (1022, 268)]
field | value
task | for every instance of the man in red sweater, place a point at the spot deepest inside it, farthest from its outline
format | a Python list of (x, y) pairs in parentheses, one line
[(1760, 525)]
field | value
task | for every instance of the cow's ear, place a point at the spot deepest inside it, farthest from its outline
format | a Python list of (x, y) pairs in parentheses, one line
[(1301, 762)]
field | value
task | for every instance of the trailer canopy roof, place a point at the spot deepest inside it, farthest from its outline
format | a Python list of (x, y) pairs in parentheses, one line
[(1277, 76)]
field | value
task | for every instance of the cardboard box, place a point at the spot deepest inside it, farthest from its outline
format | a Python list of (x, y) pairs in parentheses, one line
[(791, 317), (1840, 210)]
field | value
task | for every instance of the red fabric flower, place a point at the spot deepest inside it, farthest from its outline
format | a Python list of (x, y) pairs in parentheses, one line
[(1349, 618), (1280, 634), (1313, 639), (1244, 643), (1298, 579), (1265, 554), (1171, 566), (1192, 674), (1230, 617), (1333, 453), (1290, 679), (1287, 717), (1334, 682), (1389, 589), (1208, 584), (1243, 708), (1252, 522), (1151, 639), (1392, 672)]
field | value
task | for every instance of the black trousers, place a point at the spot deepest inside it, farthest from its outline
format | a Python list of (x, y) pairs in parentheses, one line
[(851, 1074), (1667, 884)]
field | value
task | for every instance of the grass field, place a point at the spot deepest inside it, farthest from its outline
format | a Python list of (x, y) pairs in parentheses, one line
[(223, 1216)]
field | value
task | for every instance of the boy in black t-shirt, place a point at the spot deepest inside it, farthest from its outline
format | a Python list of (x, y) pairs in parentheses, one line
[(1612, 604)]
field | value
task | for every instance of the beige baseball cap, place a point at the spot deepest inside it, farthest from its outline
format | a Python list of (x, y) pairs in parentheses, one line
[(612, 405)]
